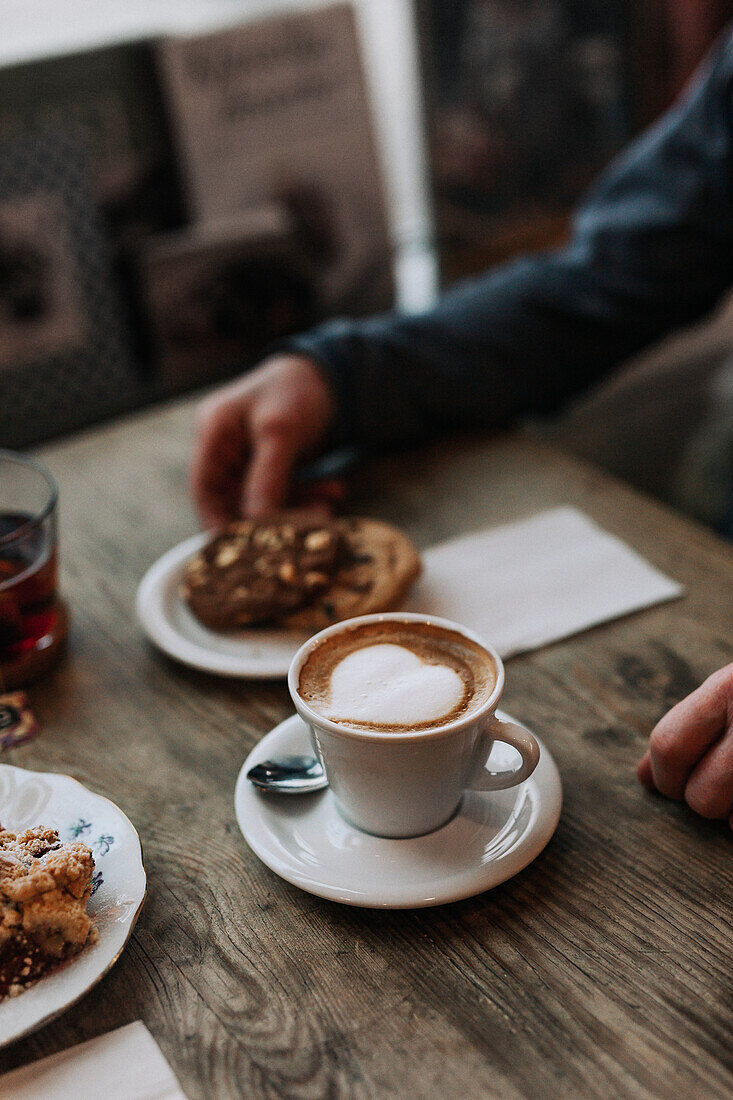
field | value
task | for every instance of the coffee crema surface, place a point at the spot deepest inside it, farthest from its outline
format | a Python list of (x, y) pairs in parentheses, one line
[(396, 677)]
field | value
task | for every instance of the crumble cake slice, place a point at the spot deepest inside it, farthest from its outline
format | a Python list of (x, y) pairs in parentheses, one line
[(44, 889)]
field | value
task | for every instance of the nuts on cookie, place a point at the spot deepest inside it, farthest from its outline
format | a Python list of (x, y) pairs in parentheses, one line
[(227, 555), (317, 540)]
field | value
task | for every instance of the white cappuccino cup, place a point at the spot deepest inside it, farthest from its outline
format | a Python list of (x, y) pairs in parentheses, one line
[(398, 781)]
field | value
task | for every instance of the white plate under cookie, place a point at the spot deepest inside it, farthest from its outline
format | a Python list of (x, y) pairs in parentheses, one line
[(306, 841), (256, 653), (30, 798)]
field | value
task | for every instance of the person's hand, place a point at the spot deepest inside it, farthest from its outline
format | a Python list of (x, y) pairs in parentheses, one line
[(690, 753), (251, 433)]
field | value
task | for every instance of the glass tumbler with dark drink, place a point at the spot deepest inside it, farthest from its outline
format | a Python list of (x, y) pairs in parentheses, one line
[(32, 617)]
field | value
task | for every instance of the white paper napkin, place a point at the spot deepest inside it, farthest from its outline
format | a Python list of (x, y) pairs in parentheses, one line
[(526, 584), (126, 1064)]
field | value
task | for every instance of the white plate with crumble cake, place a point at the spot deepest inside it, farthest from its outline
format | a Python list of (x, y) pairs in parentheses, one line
[(72, 884)]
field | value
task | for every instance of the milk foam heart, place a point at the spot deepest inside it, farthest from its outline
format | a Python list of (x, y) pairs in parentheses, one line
[(388, 685), (396, 677)]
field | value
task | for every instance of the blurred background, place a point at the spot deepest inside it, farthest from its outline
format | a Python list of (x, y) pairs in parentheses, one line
[(183, 182)]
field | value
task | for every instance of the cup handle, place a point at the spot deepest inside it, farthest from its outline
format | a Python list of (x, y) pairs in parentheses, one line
[(481, 779)]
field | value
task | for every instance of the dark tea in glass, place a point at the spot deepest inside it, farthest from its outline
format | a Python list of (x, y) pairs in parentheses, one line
[(32, 617)]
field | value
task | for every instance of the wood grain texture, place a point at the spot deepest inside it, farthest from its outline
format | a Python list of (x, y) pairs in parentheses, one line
[(602, 970)]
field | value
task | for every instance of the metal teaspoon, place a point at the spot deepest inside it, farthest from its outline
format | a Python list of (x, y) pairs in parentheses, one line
[(289, 775)]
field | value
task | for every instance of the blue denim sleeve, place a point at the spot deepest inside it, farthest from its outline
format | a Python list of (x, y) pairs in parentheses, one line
[(650, 251)]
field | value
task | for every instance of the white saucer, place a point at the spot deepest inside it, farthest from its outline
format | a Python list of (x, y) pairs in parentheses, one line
[(306, 841), (256, 654), (44, 798)]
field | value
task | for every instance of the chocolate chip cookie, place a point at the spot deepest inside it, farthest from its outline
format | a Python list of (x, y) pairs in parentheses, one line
[(376, 566), (257, 572)]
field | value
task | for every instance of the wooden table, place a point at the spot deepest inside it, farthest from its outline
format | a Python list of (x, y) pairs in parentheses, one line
[(602, 970)]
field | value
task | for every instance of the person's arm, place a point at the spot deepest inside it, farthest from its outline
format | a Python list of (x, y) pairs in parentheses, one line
[(651, 250)]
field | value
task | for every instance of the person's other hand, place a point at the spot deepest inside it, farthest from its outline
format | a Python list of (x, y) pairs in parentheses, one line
[(251, 433), (690, 753)]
